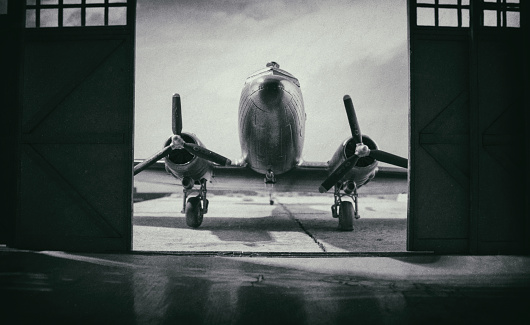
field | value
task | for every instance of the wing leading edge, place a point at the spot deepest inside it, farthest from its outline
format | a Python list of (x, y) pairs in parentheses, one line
[(303, 178)]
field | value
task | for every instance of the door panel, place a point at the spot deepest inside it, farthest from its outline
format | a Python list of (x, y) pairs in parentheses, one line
[(469, 146), (501, 157), (439, 202), (77, 109), (9, 63)]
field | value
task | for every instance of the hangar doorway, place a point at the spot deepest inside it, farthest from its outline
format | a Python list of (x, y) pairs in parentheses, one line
[(205, 52), (492, 47)]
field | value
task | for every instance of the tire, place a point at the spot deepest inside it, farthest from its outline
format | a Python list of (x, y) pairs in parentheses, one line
[(194, 212), (346, 216)]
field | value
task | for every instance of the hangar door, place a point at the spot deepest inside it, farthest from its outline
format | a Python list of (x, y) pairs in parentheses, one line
[(469, 146), (76, 125), (9, 36)]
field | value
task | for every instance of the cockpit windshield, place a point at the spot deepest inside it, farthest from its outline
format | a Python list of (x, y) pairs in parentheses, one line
[(272, 68)]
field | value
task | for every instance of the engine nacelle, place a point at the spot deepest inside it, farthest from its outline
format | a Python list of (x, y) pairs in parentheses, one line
[(365, 168), (182, 164)]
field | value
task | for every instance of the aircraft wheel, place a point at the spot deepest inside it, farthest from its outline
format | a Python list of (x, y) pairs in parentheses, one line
[(194, 212), (346, 216)]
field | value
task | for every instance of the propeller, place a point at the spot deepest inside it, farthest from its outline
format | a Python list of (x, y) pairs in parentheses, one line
[(176, 115), (180, 144), (361, 150), (389, 158), (352, 120), (151, 160)]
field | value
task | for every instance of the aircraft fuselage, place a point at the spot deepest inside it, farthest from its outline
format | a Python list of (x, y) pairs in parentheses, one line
[(271, 121)]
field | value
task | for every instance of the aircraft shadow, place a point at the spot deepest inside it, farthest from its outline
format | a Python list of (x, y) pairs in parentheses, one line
[(369, 235), (227, 229)]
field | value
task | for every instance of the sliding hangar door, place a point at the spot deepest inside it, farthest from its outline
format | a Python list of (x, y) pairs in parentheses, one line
[(72, 124), (469, 145)]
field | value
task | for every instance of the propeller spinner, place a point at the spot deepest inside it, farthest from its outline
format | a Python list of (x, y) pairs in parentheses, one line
[(361, 150), (178, 143)]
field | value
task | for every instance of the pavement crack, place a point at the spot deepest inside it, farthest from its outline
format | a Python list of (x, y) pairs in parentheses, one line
[(301, 225)]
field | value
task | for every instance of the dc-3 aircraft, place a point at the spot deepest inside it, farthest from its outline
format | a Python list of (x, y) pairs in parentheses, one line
[(271, 134)]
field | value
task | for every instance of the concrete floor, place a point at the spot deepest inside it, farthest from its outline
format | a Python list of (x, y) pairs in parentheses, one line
[(247, 223), (58, 287)]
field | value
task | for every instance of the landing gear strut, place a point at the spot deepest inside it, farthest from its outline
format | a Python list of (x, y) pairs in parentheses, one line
[(195, 207), (270, 180), (345, 210)]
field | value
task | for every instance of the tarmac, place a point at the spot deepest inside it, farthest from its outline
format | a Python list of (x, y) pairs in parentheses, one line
[(297, 222), (45, 287)]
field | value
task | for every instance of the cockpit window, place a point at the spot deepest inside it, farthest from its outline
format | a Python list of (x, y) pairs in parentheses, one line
[(272, 69)]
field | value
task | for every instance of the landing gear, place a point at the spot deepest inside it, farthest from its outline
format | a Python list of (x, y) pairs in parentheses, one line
[(344, 210), (195, 207), (270, 180), (194, 213), (346, 216)]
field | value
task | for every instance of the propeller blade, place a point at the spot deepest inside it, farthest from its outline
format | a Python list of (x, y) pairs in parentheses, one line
[(149, 161), (389, 158), (176, 115), (191, 148), (338, 173), (352, 119), (206, 154)]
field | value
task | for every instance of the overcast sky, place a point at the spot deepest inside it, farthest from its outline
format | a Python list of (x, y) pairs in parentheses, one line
[(204, 50)]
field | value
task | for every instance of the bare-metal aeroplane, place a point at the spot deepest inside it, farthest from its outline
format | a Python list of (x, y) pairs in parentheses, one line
[(271, 134)]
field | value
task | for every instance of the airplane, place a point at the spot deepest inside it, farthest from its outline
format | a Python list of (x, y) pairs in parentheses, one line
[(271, 133)]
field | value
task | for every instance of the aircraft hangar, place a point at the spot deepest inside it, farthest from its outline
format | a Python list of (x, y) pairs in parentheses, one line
[(68, 107), (70, 111)]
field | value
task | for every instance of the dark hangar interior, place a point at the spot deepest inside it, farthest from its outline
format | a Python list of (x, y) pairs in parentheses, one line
[(67, 168)]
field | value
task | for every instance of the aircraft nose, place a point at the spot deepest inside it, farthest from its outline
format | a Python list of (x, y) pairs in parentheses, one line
[(271, 93)]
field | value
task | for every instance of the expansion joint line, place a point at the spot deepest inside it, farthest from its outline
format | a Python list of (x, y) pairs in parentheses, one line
[(301, 225)]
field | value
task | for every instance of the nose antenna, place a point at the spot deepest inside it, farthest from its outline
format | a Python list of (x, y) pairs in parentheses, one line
[(273, 64)]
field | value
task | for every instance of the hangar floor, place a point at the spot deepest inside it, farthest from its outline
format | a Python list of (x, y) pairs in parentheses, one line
[(56, 287), (243, 222)]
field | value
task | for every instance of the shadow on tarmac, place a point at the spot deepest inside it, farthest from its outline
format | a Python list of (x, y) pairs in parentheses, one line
[(369, 235)]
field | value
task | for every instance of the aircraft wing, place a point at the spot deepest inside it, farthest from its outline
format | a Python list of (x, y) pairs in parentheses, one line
[(304, 178)]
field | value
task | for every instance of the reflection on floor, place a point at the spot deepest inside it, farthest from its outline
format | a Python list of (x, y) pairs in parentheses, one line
[(58, 287)]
